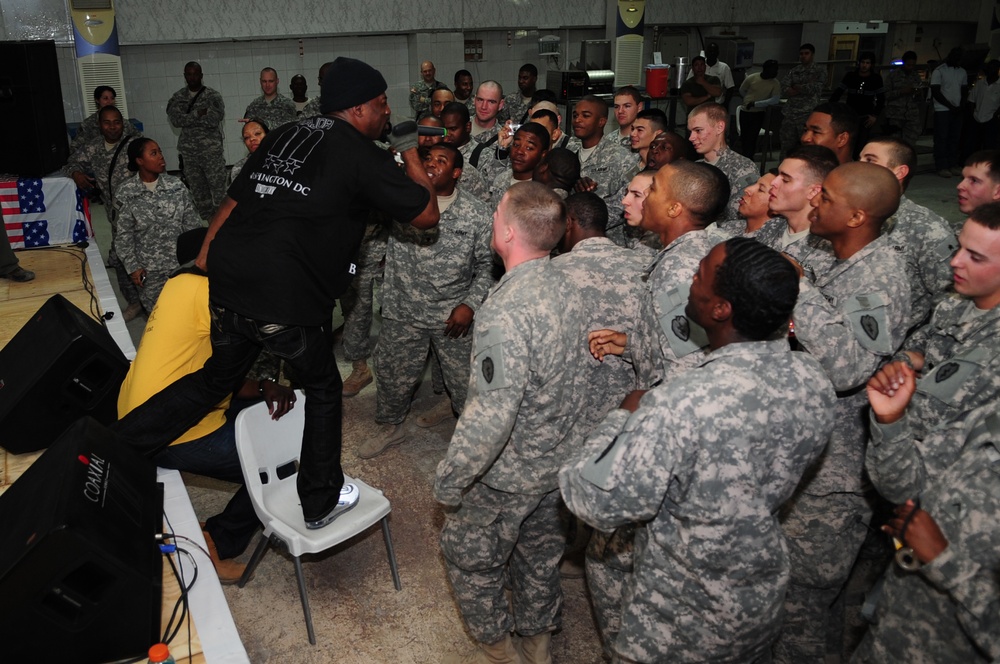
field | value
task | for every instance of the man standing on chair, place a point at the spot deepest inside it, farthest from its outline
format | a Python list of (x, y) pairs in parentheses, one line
[(279, 252), (176, 341)]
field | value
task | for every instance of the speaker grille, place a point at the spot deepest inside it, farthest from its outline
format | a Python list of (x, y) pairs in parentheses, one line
[(102, 69)]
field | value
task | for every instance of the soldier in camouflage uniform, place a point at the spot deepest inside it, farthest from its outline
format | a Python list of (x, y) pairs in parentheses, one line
[(682, 201), (153, 209), (90, 126), (611, 279), (707, 124), (464, 90), (198, 111), (926, 238), (312, 108), (752, 209), (802, 86), (800, 179), (435, 281), (489, 104), (625, 219), (704, 462), (253, 133), (626, 213), (528, 148), (851, 319), (645, 128), (958, 350), (515, 105), (456, 120), (605, 166), (904, 94), (532, 387), (103, 155), (834, 126), (358, 302), (420, 92), (627, 105), (948, 609), (274, 108)]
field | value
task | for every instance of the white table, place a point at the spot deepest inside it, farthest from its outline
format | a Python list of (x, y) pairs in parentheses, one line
[(220, 642)]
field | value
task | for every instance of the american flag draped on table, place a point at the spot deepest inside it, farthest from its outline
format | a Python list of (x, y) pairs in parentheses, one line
[(44, 212)]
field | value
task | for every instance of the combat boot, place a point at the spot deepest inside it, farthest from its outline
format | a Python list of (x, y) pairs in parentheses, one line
[(436, 415), (360, 376), (386, 436), (501, 652), (536, 649)]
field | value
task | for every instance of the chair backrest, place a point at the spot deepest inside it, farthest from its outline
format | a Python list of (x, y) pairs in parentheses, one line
[(739, 120), (269, 449)]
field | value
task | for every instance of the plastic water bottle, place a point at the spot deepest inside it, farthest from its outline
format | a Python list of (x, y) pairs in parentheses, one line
[(160, 654)]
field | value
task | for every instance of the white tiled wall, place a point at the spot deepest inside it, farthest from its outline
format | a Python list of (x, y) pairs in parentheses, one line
[(154, 72)]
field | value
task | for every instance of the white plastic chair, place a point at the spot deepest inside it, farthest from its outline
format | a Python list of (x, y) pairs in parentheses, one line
[(269, 453)]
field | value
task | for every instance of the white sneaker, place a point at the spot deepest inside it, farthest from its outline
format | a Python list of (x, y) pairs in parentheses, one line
[(349, 496)]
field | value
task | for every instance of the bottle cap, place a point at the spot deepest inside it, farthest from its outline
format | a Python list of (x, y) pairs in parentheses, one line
[(159, 652)]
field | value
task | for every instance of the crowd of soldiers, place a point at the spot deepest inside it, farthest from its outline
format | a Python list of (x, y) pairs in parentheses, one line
[(729, 482), (734, 382)]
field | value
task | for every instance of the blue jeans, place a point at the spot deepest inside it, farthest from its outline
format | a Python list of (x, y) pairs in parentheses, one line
[(214, 455), (236, 342), (947, 134)]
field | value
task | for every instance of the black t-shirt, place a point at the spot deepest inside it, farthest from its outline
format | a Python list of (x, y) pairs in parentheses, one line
[(302, 202)]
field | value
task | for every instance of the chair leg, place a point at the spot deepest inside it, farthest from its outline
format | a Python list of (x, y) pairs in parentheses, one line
[(255, 559), (392, 554), (305, 599)]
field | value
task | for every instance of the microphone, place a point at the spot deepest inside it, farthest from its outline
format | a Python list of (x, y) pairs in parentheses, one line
[(431, 131)]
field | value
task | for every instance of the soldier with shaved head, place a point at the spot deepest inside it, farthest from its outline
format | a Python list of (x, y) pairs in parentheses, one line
[(852, 318), (682, 200), (928, 240)]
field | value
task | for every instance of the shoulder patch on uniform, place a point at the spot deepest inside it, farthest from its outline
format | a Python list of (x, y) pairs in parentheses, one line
[(680, 327), (870, 326), (945, 371), (599, 469), (683, 335), (489, 360), (945, 248), (952, 381), (869, 317)]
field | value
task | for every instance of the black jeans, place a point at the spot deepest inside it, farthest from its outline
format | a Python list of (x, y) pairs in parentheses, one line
[(236, 342)]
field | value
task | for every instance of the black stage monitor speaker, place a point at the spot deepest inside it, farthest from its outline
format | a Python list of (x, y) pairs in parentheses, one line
[(31, 108), (81, 573), (60, 366)]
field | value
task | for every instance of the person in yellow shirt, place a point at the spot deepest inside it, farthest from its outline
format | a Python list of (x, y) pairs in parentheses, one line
[(177, 341)]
